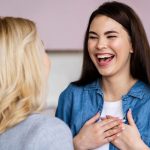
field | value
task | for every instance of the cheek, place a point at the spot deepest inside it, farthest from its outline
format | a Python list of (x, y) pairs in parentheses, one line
[(91, 46), (122, 44), (116, 45)]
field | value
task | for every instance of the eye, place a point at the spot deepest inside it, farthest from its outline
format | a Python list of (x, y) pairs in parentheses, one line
[(92, 37), (111, 36)]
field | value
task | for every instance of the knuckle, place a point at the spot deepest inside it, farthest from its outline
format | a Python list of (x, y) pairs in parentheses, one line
[(111, 125), (96, 127), (114, 123), (111, 132), (108, 126), (109, 139)]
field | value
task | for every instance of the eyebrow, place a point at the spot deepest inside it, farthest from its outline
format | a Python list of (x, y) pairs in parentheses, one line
[(107, 32), (92, 32)]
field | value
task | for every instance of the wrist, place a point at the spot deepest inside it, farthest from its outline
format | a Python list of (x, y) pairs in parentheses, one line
[(77, 143), (141, 145)]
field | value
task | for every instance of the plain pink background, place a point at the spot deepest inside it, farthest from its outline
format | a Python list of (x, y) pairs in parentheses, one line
[(62, 23)]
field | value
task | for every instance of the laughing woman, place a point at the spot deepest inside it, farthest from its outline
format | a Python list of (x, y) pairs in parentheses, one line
[(108, 107)]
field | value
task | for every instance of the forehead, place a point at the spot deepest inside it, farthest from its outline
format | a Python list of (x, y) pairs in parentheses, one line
[(103, 23)]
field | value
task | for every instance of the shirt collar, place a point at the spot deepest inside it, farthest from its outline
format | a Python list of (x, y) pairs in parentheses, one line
[(95, 85), (135, 91)]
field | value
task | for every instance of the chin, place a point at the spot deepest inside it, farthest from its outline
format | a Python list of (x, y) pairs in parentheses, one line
[(106, 73)]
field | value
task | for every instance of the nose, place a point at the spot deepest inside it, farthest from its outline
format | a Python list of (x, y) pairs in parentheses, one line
[(101, 43)]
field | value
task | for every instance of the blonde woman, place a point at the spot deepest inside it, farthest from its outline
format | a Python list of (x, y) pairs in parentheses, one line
[(24, 69)]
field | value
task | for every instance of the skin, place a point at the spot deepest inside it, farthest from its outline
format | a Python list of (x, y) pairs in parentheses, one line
[(93, 134), (129, 138), (108, 38)]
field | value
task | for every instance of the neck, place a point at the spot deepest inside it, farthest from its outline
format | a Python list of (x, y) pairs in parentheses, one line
[(115, 87)]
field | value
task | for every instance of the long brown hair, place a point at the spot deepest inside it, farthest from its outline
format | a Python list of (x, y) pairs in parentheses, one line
[(126, 16)]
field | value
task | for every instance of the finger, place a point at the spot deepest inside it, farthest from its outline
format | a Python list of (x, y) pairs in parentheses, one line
[(130, 118), (105, 141), (93, 119), (107, 121), (113, 124), (109, 117), (112, 138), (103, 118)]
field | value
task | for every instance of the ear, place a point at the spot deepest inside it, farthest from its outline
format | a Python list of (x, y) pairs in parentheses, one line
[(131, 48), (131, 51)]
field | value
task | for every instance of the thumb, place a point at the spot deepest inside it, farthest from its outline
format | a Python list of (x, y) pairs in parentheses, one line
[(130, 118), (93, 119)]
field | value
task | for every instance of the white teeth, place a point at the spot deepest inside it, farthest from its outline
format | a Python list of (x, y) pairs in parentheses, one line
[(104, 56)]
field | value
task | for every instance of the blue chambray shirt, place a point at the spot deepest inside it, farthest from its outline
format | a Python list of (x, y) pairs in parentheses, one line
[(77, 104)]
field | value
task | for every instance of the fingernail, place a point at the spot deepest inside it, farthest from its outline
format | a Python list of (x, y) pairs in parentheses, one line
[(130, 111), (98, 120), (102, 117), (99, 112)]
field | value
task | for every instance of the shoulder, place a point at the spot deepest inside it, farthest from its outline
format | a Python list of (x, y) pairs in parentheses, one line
[(71, 92), (144, 89), (46, 131), (75, 93), (46, 122), (146, 92), (140, 90), (73, 88)]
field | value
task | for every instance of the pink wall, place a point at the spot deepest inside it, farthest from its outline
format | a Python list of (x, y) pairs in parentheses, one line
[(62, 23)]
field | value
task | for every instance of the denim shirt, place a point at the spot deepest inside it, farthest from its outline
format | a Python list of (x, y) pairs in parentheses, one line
[(77, 104)]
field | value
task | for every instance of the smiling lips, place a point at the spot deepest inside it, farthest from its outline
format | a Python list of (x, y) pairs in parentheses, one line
[(104, 59)]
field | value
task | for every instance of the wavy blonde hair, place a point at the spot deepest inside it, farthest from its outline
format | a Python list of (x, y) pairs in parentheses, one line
[(21, 71)]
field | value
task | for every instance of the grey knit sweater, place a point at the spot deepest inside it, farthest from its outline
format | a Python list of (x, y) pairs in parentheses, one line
[(37, 132)]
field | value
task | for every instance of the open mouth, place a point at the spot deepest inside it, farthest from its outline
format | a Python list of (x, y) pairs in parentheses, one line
[(104, 59)]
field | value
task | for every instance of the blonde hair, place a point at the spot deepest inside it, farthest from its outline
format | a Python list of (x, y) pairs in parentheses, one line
[(21, 71)]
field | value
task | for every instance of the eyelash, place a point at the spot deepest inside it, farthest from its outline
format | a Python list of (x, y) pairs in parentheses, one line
[(109, 37), (112, 36), (92, 37)]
